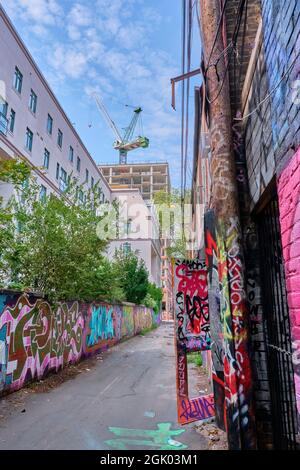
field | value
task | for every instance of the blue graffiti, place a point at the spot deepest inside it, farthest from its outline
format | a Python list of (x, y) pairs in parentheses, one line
[(101, 325), (3, 357)]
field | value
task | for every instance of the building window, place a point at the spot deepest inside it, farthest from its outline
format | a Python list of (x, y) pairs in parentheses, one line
[(32, 102), (126, 248), (3, 118), (3, 108), (81, 196), (86, 176), (18, 80), (92, 182), (49, 124), (71, 154), (43, 193), (63, 183), (29, 139), (78, 165), (46, 159), (57, 170), (12, 120), (60, 138), (128, 227)]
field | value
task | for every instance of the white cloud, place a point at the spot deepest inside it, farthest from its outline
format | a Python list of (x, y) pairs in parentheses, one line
[(80, 15), (69, 62), (46, 12)]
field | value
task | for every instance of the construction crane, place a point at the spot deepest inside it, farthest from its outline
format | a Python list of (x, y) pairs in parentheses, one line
[(126, 143)]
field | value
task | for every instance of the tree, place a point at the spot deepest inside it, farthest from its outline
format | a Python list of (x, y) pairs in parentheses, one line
[(16, 172), (169, 206), (54, 248), (132, 275), (154, 297)]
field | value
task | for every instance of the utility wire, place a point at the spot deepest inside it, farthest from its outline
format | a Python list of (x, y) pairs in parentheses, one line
[(271, 92), (189, 55), (217, 34), (183, 94), (232, 44)]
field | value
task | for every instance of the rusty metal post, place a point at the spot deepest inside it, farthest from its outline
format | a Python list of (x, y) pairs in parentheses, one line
[(233, 314)]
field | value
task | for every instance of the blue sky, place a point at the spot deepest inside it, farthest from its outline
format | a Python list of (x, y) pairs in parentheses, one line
[(127, 50)]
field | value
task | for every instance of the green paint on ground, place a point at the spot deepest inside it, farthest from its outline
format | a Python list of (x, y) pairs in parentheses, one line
[(160, 439)]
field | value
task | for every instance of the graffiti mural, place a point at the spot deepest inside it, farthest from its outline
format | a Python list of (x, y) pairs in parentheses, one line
[(161, 438), (197, 409), (143, 319), (289, 208), (36, 339), (217, 338), (192, 329), (191, 305), (127, 322), (229, 319)]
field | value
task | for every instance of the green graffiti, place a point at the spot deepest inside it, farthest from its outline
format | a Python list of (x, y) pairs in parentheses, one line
[(160, 439)]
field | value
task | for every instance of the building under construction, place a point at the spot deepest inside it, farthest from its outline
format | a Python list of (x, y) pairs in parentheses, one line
[(149, 178)]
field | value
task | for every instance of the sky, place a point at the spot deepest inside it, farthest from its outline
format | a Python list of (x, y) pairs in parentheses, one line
[(126, 51)]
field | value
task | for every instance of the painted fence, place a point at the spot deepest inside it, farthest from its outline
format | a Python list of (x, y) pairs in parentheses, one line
[(192, 332), (35, 339)]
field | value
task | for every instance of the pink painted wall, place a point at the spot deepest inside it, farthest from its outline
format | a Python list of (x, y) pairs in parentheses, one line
[(289, 206)]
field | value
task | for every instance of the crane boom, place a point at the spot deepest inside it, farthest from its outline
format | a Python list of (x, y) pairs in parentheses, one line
[(107, 117), (126, 143)]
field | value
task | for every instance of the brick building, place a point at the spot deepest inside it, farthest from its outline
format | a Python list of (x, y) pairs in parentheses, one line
[(264, 89)]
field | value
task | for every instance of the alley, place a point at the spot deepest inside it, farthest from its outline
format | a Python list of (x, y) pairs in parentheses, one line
[(133, 388)]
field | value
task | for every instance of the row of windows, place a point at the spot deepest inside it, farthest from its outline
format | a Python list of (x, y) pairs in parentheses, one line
[(61, 174), (18, 82), (80, 195)]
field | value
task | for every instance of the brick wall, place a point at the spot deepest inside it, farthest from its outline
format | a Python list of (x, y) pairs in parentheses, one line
[(271, 140), (245, 43), (258, 132), (281, 30), (289, 206)]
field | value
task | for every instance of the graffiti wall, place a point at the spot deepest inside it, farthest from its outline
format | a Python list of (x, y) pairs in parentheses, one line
[(289, 207), (191, 305), (192, 333), (36, 339), (229, 329)]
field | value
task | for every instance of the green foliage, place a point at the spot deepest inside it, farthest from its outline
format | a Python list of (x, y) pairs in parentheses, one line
[(50, 246), (14, 171), (195, 358), (154, 297), (132, 275), (176, 236), (149, 302), (148, 330), (53, 246)]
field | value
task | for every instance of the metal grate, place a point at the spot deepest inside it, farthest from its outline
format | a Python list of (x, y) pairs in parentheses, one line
[(277, 326)]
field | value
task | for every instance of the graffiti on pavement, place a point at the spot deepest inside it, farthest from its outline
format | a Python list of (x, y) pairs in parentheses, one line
[(161, 438)]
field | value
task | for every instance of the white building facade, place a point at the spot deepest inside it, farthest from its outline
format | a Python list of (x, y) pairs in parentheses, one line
[(34, 126), (138, 231)]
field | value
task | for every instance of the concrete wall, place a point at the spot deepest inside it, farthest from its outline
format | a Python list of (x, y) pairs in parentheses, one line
[(36, 339)]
